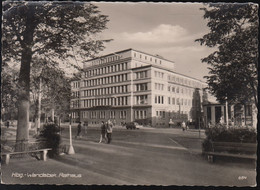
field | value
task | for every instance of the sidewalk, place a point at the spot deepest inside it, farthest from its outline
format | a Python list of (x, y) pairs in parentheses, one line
[(58, 172)]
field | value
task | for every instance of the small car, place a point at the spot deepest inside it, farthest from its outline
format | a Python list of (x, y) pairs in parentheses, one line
[(132, 125)]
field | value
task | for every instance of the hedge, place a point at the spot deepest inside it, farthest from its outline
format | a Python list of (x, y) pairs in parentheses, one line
[(221, 133)]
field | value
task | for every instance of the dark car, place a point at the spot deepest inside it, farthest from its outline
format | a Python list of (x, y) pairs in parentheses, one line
[(132, 125)]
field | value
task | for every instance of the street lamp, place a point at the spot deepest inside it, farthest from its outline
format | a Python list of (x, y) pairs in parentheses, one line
[(227, 111), (71, 149)]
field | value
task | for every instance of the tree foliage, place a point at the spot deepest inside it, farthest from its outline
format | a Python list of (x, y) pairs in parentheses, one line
[(9, 79), (55, 87), (233, 67), (53, 30)]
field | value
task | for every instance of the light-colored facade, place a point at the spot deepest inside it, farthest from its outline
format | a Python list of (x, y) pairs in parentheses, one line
[(131, 85)]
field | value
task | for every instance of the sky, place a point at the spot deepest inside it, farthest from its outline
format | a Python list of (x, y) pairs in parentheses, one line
[(166, 29)]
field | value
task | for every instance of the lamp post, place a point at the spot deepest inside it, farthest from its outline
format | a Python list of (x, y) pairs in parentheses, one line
[(71, 149), (227, 112)]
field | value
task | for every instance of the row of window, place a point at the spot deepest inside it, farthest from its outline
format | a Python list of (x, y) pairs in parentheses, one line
[(142, 99), (75, 115), (75, 94), (119, 101), (141, 56), (101, 115), (75, 104), (160, 114), (106, 70), (141, 87), (179, 101), (141, 74), (158, 74), (75, 84), (105, 59), (158, 86), (105, 91), (106, 80), (104, 114), (159, 99), (140, 114), (174, 89), (184, 81)]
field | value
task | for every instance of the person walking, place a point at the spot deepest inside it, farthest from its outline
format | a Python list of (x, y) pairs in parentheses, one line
[(109, 129), (183, 126), (103, 132), (79, 130)]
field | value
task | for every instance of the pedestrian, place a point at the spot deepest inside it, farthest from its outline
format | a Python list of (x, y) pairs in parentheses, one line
[(103, 132), (183, 126), (7, 124), (109, 129), (79, 130), (187, 125)]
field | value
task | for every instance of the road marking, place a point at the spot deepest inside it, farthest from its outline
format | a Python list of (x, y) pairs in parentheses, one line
[(156, 145), (174, 141)]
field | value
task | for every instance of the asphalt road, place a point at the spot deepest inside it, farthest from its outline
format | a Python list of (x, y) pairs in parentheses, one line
[(138, 157)]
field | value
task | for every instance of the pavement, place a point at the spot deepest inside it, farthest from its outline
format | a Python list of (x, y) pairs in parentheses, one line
[(135, 157)]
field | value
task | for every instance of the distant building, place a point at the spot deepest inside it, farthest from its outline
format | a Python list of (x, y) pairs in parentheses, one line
[(131, 85), (238, 115)]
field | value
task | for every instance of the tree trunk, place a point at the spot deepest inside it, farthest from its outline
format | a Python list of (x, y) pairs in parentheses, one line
[(52, 114), (38, 114), (22, 133)]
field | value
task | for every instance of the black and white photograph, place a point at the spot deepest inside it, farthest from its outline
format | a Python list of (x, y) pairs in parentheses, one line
[(129, 93)]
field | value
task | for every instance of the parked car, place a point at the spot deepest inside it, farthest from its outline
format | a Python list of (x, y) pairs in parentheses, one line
[(132, 125)]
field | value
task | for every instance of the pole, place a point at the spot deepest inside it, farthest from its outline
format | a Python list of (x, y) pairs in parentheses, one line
[(71, 149), (227, 112), (199, 127), (38, 120)]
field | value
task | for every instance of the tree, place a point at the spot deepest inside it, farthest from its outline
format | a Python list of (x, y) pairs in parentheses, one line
[(54, 30), (50, 86), (8, 91), (56, 91), (233, 66)]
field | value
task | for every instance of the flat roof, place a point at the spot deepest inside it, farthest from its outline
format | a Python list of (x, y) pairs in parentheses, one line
[(157, 66), (130, 49)]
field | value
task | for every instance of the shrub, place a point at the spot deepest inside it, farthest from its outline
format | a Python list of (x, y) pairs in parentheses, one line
[(221, 133), (49, 138)]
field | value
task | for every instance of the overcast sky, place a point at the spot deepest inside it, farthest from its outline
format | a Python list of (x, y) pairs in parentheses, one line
[(166, 29)]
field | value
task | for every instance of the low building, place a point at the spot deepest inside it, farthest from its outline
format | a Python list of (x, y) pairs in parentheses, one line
[(131, 85), (238, 115)]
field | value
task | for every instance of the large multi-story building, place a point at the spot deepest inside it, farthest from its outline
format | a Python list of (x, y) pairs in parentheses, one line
[(131, 85)]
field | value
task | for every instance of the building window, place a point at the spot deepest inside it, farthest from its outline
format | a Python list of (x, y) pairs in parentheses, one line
[(169, 100), (140, 114), (248, 110), (173, 101), (141, 74), (159, 86), (122, 114), (141, 99), (93, 115), (158, 74), (102, 115), (141, 87), (112, 114)]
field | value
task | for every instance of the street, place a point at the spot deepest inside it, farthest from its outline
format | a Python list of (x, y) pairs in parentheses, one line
[(141, 157)]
